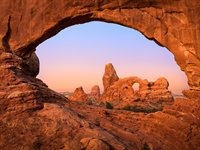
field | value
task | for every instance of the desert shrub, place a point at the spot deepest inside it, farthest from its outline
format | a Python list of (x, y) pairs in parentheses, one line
[(145, 146), (130, 107), (109, 105), (140, 109), (89, 101)]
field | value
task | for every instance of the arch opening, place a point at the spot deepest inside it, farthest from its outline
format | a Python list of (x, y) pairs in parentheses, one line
[(136, 87), (154, 26), (103, 51)]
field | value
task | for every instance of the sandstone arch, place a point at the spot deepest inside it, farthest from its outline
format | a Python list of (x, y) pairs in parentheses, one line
[(171, 24)]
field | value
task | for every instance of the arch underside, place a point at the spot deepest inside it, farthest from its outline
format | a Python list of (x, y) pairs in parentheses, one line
[(167, 23)]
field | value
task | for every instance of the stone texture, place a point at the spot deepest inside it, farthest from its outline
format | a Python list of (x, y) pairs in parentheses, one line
[(110, 76), (94, 144), (35, 117), (95, 93), (31, 65), (170, 129), (160, 83), (79, 95)]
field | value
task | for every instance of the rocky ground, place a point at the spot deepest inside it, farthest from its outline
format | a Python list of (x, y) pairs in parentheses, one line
[(76, 126), (169, 125)]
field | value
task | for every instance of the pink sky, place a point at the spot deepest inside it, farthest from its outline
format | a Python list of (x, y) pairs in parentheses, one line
[(78, 54)]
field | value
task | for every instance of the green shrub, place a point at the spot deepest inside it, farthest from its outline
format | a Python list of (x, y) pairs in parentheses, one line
[(145, 146), (109, 105), (139, 109), (130, 108), (89, 101)]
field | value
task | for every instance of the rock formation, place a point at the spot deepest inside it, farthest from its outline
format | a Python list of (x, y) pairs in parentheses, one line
[(79, 95), (172, 24), (34, 117), (95, 93), (122, 90), (120, 94), (110, 76)]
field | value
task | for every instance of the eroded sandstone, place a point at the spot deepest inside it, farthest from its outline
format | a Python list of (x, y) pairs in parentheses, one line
[(121, 92), (79, 95), (110, 76), (40, 118), (95, 93)]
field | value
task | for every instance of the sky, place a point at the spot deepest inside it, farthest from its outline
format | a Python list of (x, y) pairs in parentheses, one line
[(77, 55)]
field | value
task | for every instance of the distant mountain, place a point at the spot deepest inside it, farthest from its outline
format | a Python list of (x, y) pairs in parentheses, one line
[(66, 94)]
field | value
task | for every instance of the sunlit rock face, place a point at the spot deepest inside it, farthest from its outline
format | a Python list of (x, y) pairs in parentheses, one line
[(120, 91), (35, 117), (95, 93), (110, 76), (79, 95)]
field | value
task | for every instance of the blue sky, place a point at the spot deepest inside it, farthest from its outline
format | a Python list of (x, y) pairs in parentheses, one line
[(78, 54)]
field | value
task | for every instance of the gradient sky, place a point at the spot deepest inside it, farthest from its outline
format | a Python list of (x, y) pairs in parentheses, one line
[(78, 54)]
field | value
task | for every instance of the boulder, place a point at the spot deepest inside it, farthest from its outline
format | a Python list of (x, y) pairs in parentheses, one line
[(78, 95)]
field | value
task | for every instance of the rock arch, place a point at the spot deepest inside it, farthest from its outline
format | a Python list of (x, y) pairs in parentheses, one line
[(172, 24)]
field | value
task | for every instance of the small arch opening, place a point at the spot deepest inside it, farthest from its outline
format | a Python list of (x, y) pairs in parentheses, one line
[(136, 87)]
